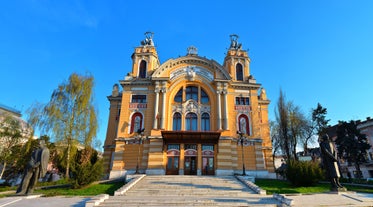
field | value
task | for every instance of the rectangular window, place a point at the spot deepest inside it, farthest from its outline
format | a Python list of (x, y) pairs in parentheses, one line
[(138, 99), (242, 101)]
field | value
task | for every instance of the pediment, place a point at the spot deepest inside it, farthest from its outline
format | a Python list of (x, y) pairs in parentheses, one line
[(189, 67)]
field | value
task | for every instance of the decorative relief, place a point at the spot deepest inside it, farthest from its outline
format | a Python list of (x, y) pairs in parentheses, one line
[(190, 106), (190, 72)]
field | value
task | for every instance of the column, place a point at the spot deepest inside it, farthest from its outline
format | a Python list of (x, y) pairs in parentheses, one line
[(163, 120), (155, 123), (199, 159), (225, 115), (219, 110)]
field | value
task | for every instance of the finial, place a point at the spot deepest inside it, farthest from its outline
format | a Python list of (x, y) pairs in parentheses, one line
[(192, 50)]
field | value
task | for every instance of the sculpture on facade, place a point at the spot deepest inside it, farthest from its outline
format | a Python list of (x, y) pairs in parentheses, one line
[(148, 39), (330, 161), (234, 42), (35, 168)]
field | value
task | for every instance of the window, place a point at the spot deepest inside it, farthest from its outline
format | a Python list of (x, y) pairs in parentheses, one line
[(243, 124), (136, 122), (204, 97), (179, 96), (176, 123), (191, 122), (242, 101), (138, 99), (142, 69), (205, 122), (239, 72), (192, 93)]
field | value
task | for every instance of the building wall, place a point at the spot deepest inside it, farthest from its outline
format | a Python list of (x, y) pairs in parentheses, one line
[(129, 152)]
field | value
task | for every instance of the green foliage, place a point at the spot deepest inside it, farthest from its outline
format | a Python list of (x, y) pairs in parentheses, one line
[(319, 117), (303, 173), (88, 167), (70, 115), (11, 134), (352, 145)]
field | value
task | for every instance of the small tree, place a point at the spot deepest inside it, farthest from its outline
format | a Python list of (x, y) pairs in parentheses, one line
[(87, 168), (11, 135), (352, 145)]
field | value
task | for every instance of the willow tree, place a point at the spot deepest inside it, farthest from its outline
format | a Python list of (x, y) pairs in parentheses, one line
[(70, 115)]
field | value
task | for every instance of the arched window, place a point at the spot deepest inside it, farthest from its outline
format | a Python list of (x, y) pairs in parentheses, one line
[(205, 122), (243, 124), (136, 122), (176, 122), (204, 97), (192, 93), (179, 96), (239, 72), (191, 122), (142, 69)]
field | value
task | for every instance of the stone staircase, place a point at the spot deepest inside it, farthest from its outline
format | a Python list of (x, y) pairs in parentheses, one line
[(182, 190)]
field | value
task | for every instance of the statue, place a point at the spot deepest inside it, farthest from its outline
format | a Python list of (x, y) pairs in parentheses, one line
[(329, 157), (148, 39), (35, 168), (234, 42)]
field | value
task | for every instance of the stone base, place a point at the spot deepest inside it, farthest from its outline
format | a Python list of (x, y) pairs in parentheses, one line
[(257, 174), (155, 172), (114, 174), (338, 190), (224, 172)]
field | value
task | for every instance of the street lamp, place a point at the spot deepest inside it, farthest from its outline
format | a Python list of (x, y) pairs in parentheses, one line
[(241, 139), (141, 138)]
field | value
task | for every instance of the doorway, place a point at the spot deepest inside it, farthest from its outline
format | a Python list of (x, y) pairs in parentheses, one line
[(190, 166)]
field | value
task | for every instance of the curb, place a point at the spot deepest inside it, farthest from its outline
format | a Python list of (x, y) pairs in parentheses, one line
[(128, 186), (283, 199), (97, 200), (251, 185)]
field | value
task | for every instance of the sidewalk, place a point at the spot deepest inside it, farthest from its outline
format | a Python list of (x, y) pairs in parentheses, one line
[(37, 201), (331, 199)]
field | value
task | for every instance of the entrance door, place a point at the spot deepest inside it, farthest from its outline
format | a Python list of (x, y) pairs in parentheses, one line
[(190, 166), (172, 165), (208, 166), (208, 160)]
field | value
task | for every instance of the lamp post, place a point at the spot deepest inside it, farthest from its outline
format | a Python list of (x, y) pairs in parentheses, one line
[(141, 138), (241, 140)]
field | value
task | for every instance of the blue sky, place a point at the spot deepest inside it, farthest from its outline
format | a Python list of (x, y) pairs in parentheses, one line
[(314, 50)]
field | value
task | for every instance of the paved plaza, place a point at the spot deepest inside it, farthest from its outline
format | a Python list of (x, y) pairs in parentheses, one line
[(191, 191)]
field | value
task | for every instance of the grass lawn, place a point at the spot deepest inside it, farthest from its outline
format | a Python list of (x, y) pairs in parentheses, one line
[(284, 187), (91, 190)]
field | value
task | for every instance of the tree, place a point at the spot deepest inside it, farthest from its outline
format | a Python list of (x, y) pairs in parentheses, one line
[(352, 145), (282, 119), (319, 119), (11, 135), (315, 126), (70, 115)]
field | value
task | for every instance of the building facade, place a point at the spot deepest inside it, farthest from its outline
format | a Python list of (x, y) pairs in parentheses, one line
[(185, 116)]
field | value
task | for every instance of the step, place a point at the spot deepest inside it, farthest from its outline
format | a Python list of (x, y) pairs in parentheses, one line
[(189, 191)]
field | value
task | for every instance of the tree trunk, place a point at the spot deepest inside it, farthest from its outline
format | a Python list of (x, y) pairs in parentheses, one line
[(67, 173), (3, 170)]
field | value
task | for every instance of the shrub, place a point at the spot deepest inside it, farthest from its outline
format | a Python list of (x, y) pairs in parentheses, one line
[(88, 168), (303, 173)]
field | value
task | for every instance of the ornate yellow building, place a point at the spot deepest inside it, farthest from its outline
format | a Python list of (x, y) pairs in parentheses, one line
[(188, 116)]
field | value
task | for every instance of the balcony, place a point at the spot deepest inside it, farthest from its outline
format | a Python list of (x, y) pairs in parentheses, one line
[(138, 105)]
